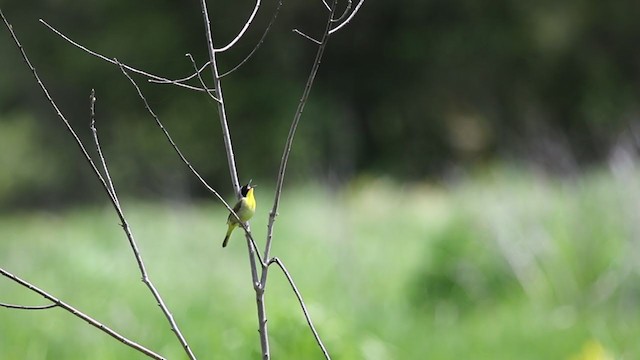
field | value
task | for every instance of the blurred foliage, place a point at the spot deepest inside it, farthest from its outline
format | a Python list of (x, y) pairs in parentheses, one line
[(409, 88), (387, 270)]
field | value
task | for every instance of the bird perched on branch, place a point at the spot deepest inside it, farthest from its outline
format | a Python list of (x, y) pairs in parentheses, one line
[(244, 208)]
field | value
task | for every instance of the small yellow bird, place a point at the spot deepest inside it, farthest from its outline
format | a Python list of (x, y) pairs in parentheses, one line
[(245, 208)]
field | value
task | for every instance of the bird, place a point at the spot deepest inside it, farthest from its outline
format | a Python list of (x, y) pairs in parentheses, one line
[(244, 208)]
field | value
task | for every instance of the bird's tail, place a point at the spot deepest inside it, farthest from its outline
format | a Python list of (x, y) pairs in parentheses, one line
[(226, 238)]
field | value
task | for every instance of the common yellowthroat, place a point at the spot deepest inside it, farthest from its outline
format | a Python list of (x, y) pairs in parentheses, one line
[(245, 208)]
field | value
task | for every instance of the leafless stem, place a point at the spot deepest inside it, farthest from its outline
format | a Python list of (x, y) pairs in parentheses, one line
[(345, 12), (91, 321), (302, 304), (353, 13), (252, 250), (264, 35), (187, 78), (307, 36), (195, 67), (280, 180), (27, 307), (244, 29), (185, 161), (110, 189), (110, 192), (291, 135), (109, 60), (134, 247), (221, 109)]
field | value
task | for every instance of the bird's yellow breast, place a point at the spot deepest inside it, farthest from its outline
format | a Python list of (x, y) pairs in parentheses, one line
[(247, 208)]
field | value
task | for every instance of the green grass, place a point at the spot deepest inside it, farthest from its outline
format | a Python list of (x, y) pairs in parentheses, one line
[(506, 265)]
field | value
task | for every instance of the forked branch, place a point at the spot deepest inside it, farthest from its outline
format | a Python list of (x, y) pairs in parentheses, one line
[(91, 321), (108, 187)]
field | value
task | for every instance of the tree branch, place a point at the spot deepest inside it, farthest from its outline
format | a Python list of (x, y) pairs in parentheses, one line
[(302, 304), (187, 78), (108, 189), (244, 29), (134, 247), (109, 60), (292, 132), (59, 303), (27, 307), (353, 13), (185, 161), (264, 35)]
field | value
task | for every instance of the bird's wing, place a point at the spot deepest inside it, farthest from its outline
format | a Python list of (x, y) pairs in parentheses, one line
[(236, 208)]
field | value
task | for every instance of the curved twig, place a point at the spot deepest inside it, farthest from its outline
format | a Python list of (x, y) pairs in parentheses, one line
[(27, 307), (91, 321), (198, 71), (112, 195), (102, 57), (345, 12), (244, 29), (185, 161), (264, 35), (353, 13), (204, 86), (302, 304)]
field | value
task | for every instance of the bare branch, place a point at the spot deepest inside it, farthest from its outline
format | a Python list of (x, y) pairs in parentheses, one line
[(226, 137), (134, 247), (108, 189), (345, 12), (306, 36), (130, 68), (186, 162), (280, 264), (353, 13), (326, 5), (264, 35), (291, 135), (182, 79), (244, 29), (91, 321), (204, 86), (27, 307), (221, 109)]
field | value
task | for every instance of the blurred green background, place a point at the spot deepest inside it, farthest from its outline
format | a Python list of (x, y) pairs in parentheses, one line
[(463, 183)]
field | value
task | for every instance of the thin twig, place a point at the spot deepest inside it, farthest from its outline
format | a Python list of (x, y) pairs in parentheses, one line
[(112, 195), (226, 137), (244, 29), (291, 135), (91, 321), (109, 60), (27, 307), (221, 109), (182, 79), (326, 5), (306, 36), (195, 67), (344, 13), (92, 108), (283, 166), (302, 304), (353, 13), (264, 35), (184, 159), (134, 247)]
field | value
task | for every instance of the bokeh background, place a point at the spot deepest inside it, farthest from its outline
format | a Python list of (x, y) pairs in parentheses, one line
[(463, 183)]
